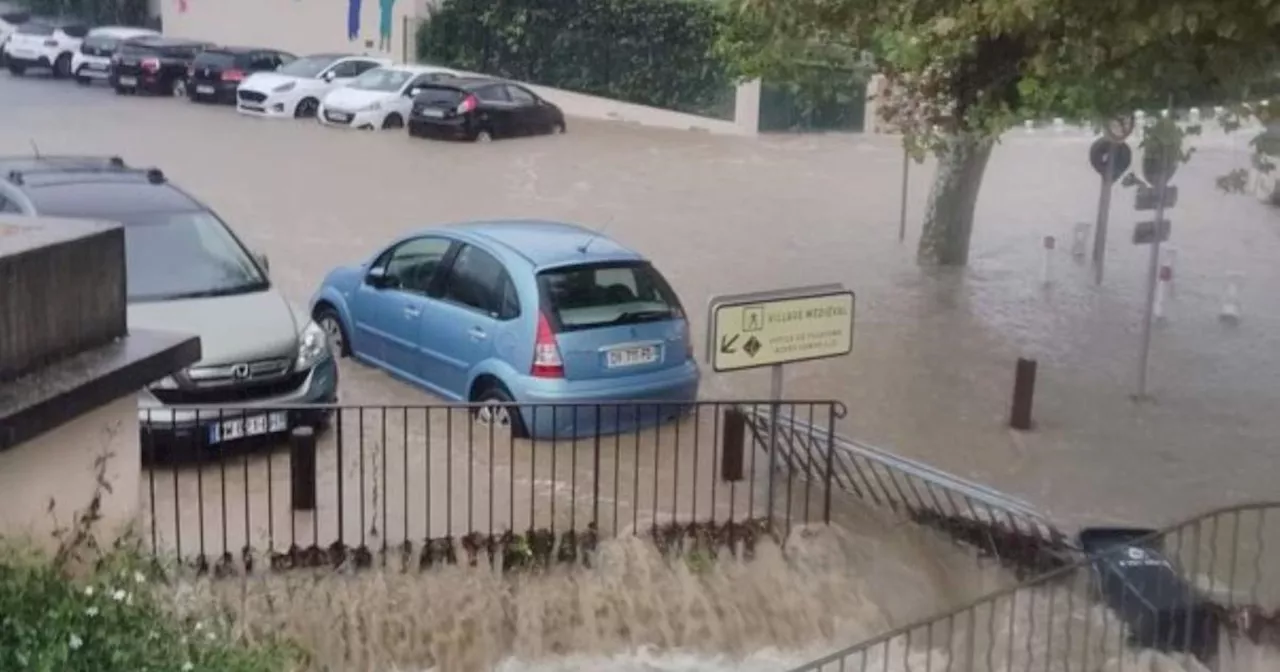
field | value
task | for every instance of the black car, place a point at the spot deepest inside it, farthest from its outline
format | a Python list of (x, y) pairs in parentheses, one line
[(216, 72), (154, 64), (475, 108)]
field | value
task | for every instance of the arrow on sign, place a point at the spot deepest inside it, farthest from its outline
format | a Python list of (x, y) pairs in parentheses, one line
[(726, 344)]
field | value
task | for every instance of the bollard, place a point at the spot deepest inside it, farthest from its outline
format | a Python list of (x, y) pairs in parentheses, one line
[(1162, 282), (1047, 273), (1080, 239), (1029, 125), (732, 445), (1059, 124), (302, 468), (1193, 115), (1230, 312), (1024, 389)]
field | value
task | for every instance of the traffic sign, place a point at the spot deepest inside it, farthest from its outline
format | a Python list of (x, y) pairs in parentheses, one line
[(1148, 198), (1144, 233), (774, 328), (1104, 151)]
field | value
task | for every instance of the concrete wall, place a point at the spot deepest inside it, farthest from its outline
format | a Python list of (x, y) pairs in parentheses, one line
[(59, 466), (309, 26)]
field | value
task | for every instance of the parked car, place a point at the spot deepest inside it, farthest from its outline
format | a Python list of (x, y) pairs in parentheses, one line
[(530, 312), (44, 43), (217, 72), (93, 60), (380, 98), (10, 19), (154, 65), (296, 89), (187, 271), (479, 108)]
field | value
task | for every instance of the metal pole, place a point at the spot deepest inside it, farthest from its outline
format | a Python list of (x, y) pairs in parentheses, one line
[(1104, 214), (775, 402), (1153, 273), (902, 217)]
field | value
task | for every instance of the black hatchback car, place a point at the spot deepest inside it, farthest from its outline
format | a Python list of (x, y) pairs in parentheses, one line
[(481, 109), (154, 64), (216, 72)]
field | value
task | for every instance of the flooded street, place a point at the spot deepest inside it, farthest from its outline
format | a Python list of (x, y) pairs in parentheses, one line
[(929, 377)]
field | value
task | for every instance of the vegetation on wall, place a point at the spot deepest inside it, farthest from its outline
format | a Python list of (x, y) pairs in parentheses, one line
[(95, 12), (652, 52)]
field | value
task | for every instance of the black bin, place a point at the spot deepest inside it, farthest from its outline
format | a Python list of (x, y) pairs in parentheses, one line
[(1141, 586)]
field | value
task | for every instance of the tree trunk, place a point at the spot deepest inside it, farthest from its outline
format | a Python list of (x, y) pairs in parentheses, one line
[(948, 221)]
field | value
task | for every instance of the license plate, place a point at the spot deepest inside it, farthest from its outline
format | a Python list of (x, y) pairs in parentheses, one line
[(338, 116), (128, 81), (96, 66), (252, 108), (249, 425), (432, 112), (624, 357), (205, 89)]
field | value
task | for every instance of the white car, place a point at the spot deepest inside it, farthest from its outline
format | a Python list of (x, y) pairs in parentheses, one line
[(93, 60), (295, 90), (10, 19), (41, 43), (380, 98)]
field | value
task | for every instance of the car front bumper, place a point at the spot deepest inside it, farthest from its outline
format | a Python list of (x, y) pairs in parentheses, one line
[(364, 119), (274, 106), (200, 427), (92, 67), (575, 409)]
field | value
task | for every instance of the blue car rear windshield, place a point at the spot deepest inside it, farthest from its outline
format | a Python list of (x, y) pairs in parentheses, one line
[(610, 294)]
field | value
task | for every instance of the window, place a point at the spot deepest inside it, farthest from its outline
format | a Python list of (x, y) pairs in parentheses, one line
[(310, 66), (185, 255), (596, 295), (7, 205), (413, 263), (264, 60), (382, 79), (35, 28), (479, 281), (347, 69), (521, 96), (493, 94)]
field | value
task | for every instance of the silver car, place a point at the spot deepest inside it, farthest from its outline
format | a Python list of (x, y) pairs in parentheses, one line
[(263, 360)]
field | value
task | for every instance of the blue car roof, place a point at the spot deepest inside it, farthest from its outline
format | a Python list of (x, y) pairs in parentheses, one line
[(544, 244)]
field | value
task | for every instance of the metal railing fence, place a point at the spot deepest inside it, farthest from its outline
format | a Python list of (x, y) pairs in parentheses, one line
[(435, 483)]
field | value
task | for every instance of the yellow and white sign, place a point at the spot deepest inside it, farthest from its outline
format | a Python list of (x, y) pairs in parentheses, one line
[(778, 329)]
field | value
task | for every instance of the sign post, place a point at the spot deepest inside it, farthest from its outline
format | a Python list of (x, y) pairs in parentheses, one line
[(750, 331), (1159, 163), (1110, 156)]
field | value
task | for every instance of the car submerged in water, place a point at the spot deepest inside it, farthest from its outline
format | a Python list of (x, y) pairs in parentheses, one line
[(548, 328), (186, 271)]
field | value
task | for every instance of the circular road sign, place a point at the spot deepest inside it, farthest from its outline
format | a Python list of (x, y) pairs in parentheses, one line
[(1104, 151)]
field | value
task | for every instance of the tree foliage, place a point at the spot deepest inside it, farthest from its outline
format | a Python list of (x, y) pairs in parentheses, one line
[(95, 12), (963, 71)]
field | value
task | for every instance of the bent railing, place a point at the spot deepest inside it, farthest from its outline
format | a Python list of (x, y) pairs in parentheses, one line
[(999, 526), (1207, 589)]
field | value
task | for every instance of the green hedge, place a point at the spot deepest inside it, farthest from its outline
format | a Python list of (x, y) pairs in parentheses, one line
[(652, 52), (95, 12), (826, 100)]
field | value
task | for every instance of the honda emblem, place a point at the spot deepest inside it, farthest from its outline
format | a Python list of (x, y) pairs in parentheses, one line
[(240, 371)]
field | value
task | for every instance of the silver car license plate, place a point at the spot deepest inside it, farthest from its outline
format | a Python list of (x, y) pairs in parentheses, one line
[(205, 89), (249, 425), (433, 112), (128, 81)]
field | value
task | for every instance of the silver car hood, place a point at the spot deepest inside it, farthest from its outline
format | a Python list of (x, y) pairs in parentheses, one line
[(232, 329)]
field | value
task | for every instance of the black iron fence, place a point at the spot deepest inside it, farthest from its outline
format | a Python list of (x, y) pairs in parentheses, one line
[(1000, 527), (1207, 589), (358, 484)]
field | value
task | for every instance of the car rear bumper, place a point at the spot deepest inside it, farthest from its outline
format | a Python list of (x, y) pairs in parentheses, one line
[(431, 127), (573, 409), (28, 59), (143, 83), (192, 427), (211, 92)]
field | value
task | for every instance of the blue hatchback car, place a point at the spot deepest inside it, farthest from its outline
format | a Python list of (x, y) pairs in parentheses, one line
[(554, 317)]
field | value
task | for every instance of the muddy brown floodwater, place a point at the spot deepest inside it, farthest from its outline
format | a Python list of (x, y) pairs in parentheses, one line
[(929, 376)]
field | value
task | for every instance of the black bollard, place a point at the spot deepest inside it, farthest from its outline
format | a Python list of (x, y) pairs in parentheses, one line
[(302, 468), (733, 445), (1024, 390)]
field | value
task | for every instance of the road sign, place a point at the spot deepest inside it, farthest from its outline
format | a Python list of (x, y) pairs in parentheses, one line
[(1148, 198), (1144, 233), (1103, 152), (775, 328), (1159, 164)]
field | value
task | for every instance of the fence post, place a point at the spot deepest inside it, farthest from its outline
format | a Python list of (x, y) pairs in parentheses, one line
[(831, 455), (732, 444), (302, 468), (1024, 388)]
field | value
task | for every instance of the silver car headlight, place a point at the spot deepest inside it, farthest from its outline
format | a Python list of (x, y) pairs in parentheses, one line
[(313, 346), (287, 86), (371, 107)]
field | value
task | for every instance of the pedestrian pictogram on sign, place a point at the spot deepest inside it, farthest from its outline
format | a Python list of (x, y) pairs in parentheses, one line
[(753, 318)]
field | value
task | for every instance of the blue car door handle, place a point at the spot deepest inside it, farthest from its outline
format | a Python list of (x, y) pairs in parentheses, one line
[(412, 311), (477, 334)]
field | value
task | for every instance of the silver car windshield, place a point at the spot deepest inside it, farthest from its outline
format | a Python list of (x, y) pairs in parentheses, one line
[(381, 79), (185, 255), (309, 67)]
